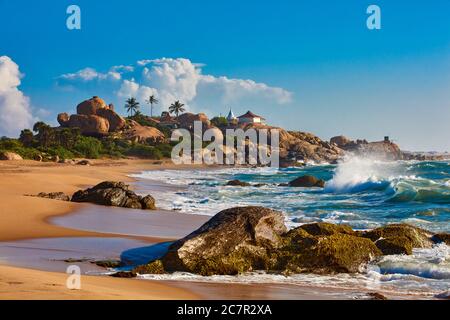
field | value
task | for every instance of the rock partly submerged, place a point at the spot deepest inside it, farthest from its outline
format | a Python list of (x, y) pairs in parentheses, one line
[(116, 194), (307, 182), (245, 239)]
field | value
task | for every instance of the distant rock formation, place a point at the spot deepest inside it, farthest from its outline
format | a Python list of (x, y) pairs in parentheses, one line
[(94, 117), (383, 149), (143, 134), (186, 120)]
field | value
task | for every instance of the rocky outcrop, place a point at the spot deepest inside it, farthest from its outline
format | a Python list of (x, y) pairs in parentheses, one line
[(233, 241), (94, 117), (186, 120), (381, 149), (245, 239), (116, 122), (400, 237), (307, 182), (9, 156), (89, 125), (116, 194), (324, 254), (63, 119), (91, 106), (143, 134), (340, 141)]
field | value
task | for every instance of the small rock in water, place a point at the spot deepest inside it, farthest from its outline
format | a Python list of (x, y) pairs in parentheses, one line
[(238, 183), (307, 182)]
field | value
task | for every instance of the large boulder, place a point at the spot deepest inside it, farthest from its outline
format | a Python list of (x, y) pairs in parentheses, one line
[(324, 254), (116, 122), (9, 156), (91, 106), (400, 238), (307, 182), (63, 119), (255, 238), (89, 125), (233, 241), (116, 194)]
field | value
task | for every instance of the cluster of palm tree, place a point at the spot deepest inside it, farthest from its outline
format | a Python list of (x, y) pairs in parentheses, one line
[(132, 106)]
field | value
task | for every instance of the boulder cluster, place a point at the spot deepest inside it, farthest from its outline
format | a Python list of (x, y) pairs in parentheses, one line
[(245, 239), (94, 117), (107, 193)]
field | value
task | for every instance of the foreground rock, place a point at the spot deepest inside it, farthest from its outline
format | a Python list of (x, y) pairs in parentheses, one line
[(116, 194), (307, 182), (399, 238), (10, 156), (233, 241), (246, 239)]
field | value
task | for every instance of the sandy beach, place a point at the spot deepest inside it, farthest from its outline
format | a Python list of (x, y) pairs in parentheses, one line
[(25, 217)]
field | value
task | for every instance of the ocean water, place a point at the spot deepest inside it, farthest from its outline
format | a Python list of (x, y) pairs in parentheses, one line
[(362, 192)]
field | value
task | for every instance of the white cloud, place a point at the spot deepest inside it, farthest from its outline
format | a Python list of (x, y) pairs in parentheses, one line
[(15, 110), (178, 79)]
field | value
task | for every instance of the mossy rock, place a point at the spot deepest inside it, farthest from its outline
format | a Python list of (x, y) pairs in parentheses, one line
[(419, 238), (442, 237), (155, 267), (326, 229), (337, 253), (108, 263), (395, 245)]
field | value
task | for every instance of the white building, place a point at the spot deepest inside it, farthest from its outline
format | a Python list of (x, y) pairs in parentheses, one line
[(250, 117)]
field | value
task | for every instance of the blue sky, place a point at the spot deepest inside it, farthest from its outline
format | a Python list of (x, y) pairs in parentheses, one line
[(313, 65)]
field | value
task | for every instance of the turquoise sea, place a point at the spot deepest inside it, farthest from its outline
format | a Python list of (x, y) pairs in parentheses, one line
[(364, 193)]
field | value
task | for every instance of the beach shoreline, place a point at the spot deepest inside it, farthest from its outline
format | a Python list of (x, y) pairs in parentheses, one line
[(25, 217), (40, 219)]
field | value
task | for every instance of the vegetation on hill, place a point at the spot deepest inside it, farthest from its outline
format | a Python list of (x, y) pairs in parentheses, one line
[(45, 142)]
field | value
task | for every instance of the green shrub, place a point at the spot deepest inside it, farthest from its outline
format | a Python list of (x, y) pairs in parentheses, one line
[(144, 151), (88, 147)]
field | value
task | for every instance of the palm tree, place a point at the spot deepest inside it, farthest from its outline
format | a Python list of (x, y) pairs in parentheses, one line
[(132, 106), (151, 101), (176, 107)]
